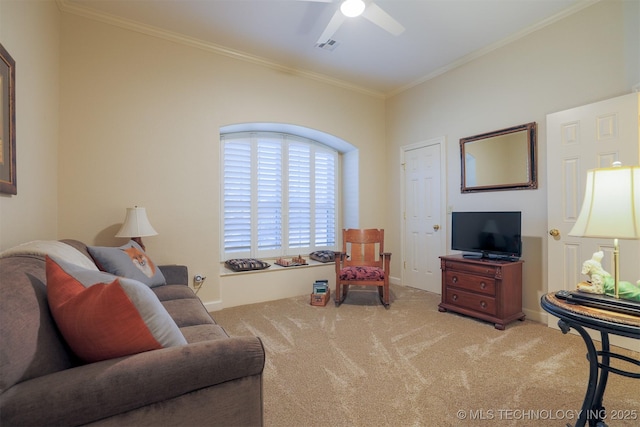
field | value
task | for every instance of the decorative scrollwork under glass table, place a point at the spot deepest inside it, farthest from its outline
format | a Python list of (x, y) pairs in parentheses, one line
[(606, 322)]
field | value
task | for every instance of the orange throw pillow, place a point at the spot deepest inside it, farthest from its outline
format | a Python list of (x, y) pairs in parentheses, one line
[(102, 316)]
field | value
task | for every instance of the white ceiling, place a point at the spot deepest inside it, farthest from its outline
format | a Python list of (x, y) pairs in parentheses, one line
[(440, 34)]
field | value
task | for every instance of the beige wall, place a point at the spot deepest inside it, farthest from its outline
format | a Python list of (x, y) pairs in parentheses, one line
[(29, 31), (586, 57), (140, 120)]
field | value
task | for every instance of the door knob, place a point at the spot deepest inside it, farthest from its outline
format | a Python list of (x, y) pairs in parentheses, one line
[(436, 227), (554, 232)]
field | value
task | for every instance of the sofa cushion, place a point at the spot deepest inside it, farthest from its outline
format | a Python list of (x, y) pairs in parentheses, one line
[(30, 344), (128, 261), (102, 316), (171, 292), (175, 274), (246, 264), (187, 312)]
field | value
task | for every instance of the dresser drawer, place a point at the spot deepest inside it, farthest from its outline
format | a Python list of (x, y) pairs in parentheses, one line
[(480, 284), (475, 302), (486, 289), (485, 270)]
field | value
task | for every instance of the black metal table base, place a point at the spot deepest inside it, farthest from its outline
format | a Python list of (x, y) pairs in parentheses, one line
[(592, 410)]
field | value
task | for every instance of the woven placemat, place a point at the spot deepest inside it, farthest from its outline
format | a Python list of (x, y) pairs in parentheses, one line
[(597, 313)]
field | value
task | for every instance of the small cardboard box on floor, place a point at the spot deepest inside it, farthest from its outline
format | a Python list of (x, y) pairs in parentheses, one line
[(321, 293), (320, 299)]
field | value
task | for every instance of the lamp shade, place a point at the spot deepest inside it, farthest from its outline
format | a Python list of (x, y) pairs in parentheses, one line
[(611, 206), (136, 224)]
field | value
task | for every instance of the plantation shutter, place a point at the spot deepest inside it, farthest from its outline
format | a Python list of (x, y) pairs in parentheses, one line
[(269, 195), (325, 199), (237, 198), (299, 195), (279, 195)]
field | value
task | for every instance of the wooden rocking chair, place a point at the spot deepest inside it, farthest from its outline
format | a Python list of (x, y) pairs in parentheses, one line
[(362, 262)]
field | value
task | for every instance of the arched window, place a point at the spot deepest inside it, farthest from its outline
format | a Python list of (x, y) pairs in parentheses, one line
[(279, 195)]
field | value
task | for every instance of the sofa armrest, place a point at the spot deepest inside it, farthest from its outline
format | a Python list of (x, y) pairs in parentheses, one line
[(99, 390), (175, 274)]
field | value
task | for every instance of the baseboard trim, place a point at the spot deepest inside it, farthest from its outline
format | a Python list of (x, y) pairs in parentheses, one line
[(212, 306), (536, 316)]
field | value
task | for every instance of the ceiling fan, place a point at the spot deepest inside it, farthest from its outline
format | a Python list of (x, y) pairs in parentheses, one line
[(354, 8)]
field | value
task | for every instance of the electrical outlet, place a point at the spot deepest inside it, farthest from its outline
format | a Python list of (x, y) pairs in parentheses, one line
[(198, 281)]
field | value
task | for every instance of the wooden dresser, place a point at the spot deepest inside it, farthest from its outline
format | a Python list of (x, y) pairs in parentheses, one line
[(486, 289)]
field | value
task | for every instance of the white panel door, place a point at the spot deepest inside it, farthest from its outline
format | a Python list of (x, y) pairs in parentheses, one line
[(579, 139), (424, 233)]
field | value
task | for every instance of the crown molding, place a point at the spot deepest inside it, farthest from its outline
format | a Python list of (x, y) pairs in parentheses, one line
[(66, 7), (106, 18)]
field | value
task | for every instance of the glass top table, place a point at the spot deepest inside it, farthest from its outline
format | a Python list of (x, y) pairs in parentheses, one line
[(606, 322)]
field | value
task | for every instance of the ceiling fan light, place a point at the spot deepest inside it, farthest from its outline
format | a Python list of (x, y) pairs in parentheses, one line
[(352, 8)]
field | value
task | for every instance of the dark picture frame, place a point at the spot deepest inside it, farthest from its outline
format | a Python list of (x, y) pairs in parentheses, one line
[(7, 123)]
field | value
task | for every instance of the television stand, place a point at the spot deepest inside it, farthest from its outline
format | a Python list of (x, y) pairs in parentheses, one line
[(487, 289)]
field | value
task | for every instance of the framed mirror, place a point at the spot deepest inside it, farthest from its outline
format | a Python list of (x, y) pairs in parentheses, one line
[(504, 159)]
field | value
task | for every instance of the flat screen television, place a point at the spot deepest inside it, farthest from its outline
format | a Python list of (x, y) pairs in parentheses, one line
[(487, 234)]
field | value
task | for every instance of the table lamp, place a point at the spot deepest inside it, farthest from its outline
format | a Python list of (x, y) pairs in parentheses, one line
[(136, 225), (611, 208)]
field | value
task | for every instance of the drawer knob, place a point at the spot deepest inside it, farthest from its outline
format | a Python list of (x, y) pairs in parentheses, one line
[(483, 304), (454, 297), (454, 279), (483, 285)]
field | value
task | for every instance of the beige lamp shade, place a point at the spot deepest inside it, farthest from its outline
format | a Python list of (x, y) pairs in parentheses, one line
[(136, 224), (611, 206)]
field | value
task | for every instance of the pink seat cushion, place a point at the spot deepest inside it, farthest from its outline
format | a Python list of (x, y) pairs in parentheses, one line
[(361, 273)]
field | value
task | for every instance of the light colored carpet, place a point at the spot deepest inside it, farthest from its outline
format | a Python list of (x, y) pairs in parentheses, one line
[(362, 365)]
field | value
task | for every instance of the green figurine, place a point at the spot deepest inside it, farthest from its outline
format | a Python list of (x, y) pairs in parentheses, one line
[(601, 282)]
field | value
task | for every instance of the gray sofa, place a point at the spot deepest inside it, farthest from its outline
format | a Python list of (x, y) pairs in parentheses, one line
[(214, 380)]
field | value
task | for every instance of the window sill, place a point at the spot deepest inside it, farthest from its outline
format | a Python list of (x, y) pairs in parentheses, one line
[(224, 271)]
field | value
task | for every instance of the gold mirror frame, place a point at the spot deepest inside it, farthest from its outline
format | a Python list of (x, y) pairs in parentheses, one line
[(504, 159)]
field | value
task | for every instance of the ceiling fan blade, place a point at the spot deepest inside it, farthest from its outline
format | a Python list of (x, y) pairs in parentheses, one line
[(375, 14), (337, 20)]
